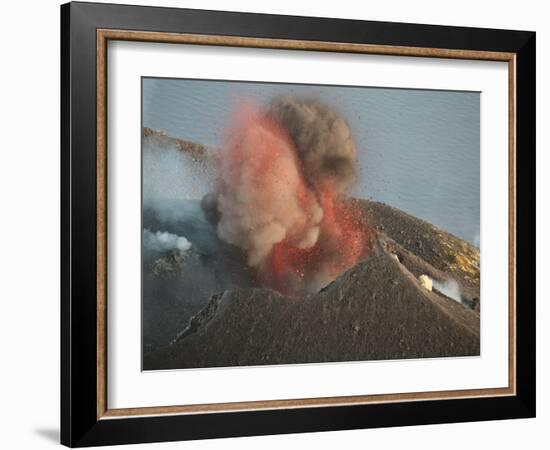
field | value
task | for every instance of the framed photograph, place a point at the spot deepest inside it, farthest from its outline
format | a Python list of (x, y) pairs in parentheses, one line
[(277, 224)]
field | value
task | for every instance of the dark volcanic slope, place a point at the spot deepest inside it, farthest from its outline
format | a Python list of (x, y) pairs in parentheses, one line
[(377, 310), (440, 249)]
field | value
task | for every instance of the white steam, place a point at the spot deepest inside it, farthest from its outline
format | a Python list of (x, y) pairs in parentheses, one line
[(450, 288), (162, 241)]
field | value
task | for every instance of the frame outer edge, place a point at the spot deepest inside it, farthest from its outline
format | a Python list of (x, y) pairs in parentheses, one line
[(79, 426), (526, 224), (65, 334), (79, 260)]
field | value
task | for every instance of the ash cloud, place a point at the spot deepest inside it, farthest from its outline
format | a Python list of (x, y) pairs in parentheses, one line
[(322, 138), (279, 195)]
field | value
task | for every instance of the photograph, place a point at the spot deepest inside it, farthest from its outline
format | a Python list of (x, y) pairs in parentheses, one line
[(302, 223)]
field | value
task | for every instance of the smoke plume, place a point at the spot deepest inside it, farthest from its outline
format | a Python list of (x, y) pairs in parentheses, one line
[(280, 194), (161, 241), (450, 288)]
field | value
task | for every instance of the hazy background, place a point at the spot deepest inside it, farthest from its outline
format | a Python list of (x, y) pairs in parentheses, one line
[(418, 150)]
